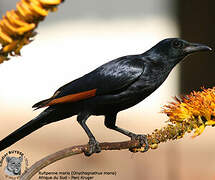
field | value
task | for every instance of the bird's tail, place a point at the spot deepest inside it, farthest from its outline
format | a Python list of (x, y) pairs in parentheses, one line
[(36, 123)]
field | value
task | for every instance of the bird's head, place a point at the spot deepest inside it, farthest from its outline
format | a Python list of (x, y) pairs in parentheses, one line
[(175, 49)]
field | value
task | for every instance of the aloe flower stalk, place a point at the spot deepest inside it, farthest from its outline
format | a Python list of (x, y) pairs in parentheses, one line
[(190, 113), (17, 26)]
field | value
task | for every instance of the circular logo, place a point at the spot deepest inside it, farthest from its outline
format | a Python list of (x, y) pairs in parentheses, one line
[(13, 164)]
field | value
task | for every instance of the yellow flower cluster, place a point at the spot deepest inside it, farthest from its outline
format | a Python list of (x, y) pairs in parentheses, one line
[(198, 107), (17, 26), (189, 113)]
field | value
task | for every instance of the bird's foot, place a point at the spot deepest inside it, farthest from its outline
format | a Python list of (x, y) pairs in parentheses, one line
[(142, 139), (93, 147)]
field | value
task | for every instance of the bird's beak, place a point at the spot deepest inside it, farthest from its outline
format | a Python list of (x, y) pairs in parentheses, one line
[(194, 47)]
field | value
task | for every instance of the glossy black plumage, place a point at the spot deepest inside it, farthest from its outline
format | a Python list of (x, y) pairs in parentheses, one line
[(116, 85)]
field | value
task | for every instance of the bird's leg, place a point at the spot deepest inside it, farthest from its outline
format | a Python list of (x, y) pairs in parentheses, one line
[(94, 145), (110, 122)]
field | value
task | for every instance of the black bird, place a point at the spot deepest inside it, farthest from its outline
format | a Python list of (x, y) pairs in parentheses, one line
[(109, 89)]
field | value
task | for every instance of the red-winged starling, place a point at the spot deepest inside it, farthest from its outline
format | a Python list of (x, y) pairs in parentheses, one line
[(109, 89)]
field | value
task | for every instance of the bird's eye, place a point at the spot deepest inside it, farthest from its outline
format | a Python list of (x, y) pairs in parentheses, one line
[(177, 44)]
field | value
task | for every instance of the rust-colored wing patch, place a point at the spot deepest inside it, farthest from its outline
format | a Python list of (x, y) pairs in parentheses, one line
[(73, 97)]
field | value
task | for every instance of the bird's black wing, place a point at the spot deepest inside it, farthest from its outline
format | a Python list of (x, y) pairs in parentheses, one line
[(106, 79)]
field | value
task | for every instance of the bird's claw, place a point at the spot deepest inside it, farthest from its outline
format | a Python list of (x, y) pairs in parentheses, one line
[(142, 139), (93, 147)]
